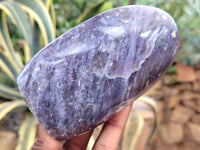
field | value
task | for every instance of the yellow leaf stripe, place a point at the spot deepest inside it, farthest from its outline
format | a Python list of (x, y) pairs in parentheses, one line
[(50, 7), (140, 123), (7, 107), (9, 92), (27, 133), (19, 18), (88, 13), (7, 44), (27, 52), (37, 18), (149, 101), (5, 68), (7, 11), (139, 128), (35, 12), (15, 10), (152, 103), (16, 14)]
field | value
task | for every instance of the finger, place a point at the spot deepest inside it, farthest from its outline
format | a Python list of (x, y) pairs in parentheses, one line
[(78, 143), (113, 130), (44, 141)]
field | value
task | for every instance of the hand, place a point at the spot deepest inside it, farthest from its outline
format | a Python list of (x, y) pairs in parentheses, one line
[(108, 139)]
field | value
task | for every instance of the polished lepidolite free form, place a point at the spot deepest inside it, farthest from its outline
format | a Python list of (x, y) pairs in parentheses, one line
[(94, 70)]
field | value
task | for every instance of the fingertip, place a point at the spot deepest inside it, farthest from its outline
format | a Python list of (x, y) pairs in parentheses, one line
[(79, 142), (113, 131), (44, 141)]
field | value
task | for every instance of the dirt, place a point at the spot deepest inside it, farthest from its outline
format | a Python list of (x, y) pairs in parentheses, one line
[(178, 98), (8, 140)]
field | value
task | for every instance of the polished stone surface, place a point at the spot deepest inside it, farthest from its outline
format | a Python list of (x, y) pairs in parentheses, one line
[(96, 69)]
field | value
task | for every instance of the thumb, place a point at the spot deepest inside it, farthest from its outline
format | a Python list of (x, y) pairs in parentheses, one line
[(44, 141)]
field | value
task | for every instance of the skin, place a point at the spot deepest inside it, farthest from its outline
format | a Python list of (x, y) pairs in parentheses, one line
[(108, 139)]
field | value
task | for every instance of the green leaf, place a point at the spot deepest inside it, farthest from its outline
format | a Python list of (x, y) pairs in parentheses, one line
[(6, 42), (8, 107), (171, 70), (80, 5), (5, 80), (21, 21), (7, 67), (36, 38), (8, 92), (90, 12), (39, 12), (106, 6), (50, 7), (27, 133)]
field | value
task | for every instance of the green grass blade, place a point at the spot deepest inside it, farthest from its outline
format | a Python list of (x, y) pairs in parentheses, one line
[(8, 107), (27, 133)]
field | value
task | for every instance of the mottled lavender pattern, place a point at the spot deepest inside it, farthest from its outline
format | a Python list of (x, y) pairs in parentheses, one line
[(94, 70)]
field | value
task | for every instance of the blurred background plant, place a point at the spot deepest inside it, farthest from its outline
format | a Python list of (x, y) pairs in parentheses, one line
[(185, 12), (27, 26), (141, 125)]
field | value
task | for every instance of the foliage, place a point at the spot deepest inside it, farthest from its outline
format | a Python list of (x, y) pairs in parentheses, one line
[(70, 13), (140, 124), (171, 70), (31, 25), (187, 15)]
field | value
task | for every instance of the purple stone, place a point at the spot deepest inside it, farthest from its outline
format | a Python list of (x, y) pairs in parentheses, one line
[(94, 70)]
